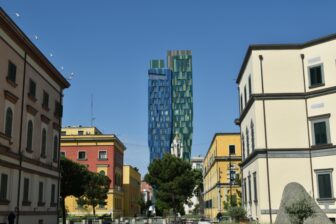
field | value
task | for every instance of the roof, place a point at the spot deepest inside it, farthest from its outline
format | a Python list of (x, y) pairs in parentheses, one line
[(20, 38), (281, 47)]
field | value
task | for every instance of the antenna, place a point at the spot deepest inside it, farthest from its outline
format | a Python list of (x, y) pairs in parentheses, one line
[(92, 117)]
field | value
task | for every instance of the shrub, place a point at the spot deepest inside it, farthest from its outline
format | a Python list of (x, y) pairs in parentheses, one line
[(237, 213), (300, 210)]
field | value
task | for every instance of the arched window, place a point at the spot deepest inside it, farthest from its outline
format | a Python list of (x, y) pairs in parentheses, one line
[(55, 152), (9, 122), (247, 142), (44, 142), (30, 136), (252, 136)]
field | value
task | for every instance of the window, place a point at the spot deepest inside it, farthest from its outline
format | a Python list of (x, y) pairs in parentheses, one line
[(81, 155), (252, 136), (316, 75), (25, 190), (62, 154), (3, 187), (320, 130), (53, 190), (247, 143), (55, 151), (249, 190), (241, 104), (101, 205), (245, 96), (11, 76), (32, 89), (102, 155), (58, 109), (40, 193), (255, 187), (324, 183), (250, 86), (243, 145), (44, 143), (45, 102), (80, 132), (9, 122), (232, 149), (63, 133), (245, 192), (30, 136)]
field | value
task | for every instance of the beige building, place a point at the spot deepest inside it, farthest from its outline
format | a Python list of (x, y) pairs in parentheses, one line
[(221, 173), (132, 191), (31, 91), (287, 118)]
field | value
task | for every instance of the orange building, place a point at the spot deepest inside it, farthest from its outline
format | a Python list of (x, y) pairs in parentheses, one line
[(101, 153)]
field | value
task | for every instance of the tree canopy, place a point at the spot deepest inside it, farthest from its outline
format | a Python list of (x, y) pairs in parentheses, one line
[(173, 181), (73, 181), (96, 190)]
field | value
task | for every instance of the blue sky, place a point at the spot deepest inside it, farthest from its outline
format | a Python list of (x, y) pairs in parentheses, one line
[(108, 45)]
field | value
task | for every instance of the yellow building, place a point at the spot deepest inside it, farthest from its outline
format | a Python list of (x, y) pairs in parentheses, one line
[(221, 160), (132, 191), (101, 153)]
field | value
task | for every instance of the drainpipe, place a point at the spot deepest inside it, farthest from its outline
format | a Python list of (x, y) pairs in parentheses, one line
[(20, 140)]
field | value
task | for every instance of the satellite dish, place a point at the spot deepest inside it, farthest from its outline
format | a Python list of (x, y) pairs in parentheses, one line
[(17, 14), (36, 37)]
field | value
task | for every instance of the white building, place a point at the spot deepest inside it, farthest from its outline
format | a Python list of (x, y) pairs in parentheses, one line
[(31, 92), (196, 163), (288, 124)]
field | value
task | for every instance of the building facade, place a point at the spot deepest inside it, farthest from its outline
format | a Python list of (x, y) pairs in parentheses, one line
[(170, 106), (221, 173), (197, 164), (159, 109), (132, 191), (101, 153), (146, 191), (287, 122), (31, 104)]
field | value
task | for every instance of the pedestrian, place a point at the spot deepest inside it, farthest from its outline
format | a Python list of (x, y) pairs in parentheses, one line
[(11, 218)]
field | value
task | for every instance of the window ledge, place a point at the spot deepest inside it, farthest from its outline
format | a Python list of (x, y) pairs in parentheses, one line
[(29, 150), (322, 146), (6, 137), (40, 204), (32, 97), (26, 203), (11, 82), (85, 159), (102, 159), (45, 107), (43, 156), (326, 200), (316, 85), (4, 202)]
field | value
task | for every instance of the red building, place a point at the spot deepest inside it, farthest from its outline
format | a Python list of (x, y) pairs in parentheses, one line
[(100, 153)]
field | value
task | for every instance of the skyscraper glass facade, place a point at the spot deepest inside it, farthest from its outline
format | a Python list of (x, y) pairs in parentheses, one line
[(170, 106), (159, 109)]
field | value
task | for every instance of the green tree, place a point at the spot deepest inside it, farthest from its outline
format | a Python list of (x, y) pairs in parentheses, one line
[(173, 181), (299, 211), (236, 213), (96, 191), (198, 191), (73, 181)]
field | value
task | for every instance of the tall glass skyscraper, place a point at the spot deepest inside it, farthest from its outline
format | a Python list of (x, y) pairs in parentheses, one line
[(170, 106)]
